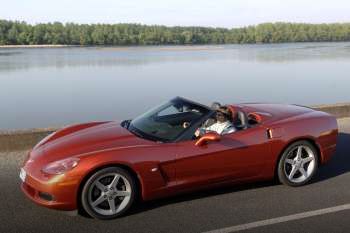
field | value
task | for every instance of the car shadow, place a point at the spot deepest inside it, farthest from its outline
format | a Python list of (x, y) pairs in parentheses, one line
[(149, 205), (339, 163)]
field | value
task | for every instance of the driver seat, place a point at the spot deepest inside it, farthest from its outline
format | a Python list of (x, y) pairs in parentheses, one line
[(239, 117)]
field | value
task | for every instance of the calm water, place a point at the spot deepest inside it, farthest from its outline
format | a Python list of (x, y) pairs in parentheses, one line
[(54, 87)]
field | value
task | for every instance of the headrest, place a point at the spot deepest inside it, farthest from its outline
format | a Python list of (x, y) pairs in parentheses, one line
[(239, 117), (233, 111)]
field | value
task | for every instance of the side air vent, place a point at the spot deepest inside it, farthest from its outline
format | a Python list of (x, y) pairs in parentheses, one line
[(269, 133), (275, 132)]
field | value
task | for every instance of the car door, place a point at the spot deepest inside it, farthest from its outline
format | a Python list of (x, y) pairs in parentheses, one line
[(235, 156)]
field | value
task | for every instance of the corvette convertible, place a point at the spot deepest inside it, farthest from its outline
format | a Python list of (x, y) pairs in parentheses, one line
[(103, 168)]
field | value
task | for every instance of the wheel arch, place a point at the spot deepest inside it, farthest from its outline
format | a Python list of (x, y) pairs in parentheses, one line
[(97, 168)]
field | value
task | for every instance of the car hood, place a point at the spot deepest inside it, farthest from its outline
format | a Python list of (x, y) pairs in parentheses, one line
[(85, 138)]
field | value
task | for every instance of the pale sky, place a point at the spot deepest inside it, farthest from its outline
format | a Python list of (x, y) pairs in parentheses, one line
[(215, 13)]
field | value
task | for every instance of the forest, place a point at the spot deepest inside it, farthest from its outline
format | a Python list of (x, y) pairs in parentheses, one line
[(22, 33)]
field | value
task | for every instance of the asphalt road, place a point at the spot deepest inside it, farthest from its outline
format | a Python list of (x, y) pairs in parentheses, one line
[(201, 211)]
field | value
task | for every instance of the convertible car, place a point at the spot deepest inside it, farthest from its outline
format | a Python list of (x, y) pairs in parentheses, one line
[(102, 168)]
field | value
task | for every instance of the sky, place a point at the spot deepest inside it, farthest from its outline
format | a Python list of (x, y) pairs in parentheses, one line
[(214, 13)]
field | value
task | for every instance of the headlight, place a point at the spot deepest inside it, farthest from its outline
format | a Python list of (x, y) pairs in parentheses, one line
[(60, 166)]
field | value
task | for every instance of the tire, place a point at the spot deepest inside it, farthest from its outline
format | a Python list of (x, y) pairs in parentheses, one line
[(298, 164), (108, 187)]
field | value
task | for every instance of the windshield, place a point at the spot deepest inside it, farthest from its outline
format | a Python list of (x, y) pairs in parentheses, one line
[(166, 122)]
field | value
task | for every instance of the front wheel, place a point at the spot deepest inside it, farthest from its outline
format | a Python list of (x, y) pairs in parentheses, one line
[(298, 164), (108, 193)]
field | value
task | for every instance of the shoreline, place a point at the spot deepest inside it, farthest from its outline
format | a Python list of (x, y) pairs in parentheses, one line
[(125, 47), (161, 46), (37, 46), (23, 139)]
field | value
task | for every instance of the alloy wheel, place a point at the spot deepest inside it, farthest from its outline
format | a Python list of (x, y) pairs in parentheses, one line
[(109, 194), (299, 164)]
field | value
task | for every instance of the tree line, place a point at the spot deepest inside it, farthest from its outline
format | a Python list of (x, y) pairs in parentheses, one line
[(22, 33)]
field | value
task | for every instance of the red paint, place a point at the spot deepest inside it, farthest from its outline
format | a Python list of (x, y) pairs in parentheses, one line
[(246, 155)]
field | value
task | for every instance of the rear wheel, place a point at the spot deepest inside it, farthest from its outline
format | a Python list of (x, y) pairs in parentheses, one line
[(298, 164), (108, 193)]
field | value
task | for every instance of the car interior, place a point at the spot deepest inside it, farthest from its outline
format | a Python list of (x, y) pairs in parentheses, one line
[(240, 119), (170, 121)]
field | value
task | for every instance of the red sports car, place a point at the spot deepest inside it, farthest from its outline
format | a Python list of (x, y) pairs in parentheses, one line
[(103, 167)]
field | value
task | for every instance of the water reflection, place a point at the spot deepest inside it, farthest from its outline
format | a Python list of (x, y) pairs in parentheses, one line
[(17, 59)]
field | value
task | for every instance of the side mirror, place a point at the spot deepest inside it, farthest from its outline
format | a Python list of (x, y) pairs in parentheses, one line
[(211, 136)]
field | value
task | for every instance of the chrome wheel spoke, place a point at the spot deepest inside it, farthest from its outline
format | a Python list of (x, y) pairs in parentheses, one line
[(290, 161), (100, 186), (124, 202), (303, 172), (292, 173), (99, 200), (123, 193), (115, 181), (111, 203), (308, 159), (299, 152)]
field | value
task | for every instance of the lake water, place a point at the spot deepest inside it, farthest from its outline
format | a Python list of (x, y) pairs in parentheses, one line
[(59, 86)]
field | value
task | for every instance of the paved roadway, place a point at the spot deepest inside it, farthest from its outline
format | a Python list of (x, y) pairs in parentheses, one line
[(200, 212)]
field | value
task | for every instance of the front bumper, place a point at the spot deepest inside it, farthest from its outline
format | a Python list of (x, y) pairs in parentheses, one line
[(55, 192)]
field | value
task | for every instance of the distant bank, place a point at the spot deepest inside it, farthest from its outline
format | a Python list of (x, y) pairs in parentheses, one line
[(37, 46), (21, 33)]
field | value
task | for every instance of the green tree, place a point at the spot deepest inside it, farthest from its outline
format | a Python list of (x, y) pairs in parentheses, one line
[(15, 32)]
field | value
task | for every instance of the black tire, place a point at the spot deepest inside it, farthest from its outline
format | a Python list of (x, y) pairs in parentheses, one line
[(282, 174), (86, 191)]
